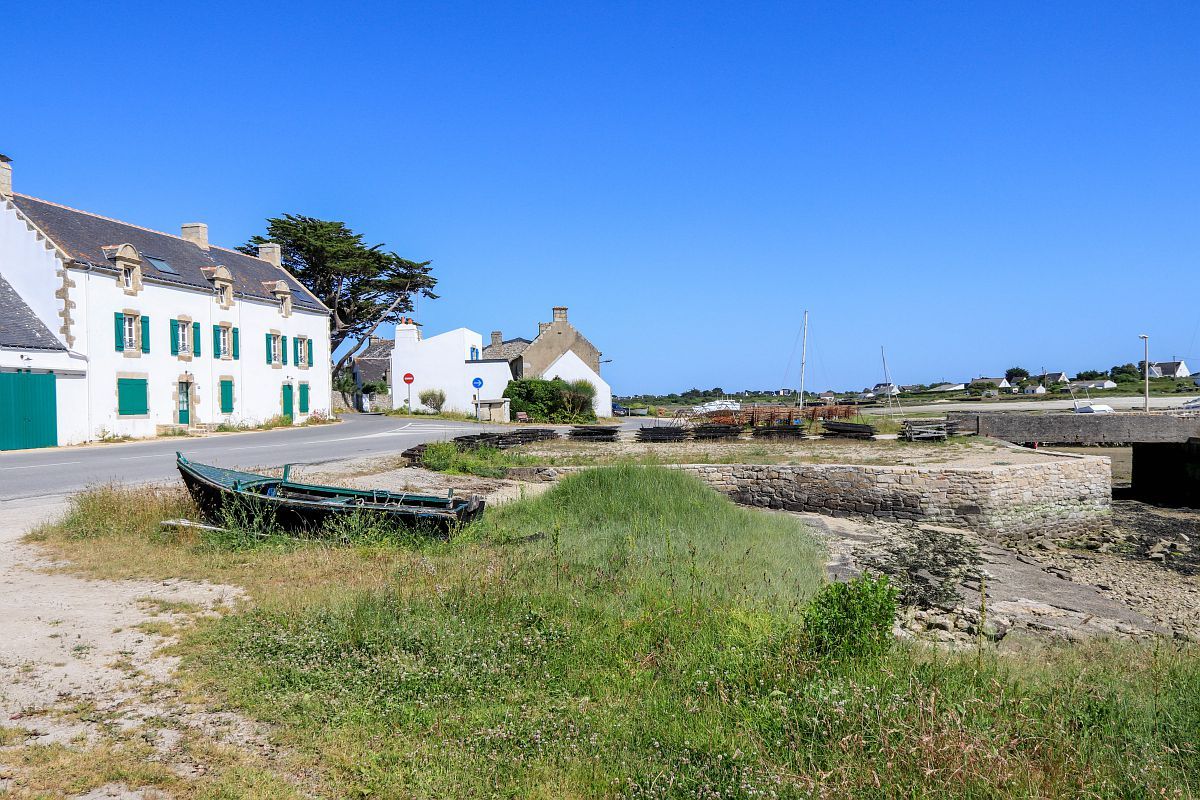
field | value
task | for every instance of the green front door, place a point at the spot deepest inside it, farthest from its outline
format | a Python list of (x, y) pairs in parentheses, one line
[(287, 401), (185, 403), (28, 410)]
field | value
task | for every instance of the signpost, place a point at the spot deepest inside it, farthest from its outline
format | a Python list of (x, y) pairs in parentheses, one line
[(408, 378), (477, 383)]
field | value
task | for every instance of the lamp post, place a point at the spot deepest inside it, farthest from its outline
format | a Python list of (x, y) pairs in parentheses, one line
[(1146, 368)]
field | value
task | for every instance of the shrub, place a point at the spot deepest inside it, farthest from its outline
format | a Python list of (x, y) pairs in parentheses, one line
[(433, 398), (553, 400), (851, 619)]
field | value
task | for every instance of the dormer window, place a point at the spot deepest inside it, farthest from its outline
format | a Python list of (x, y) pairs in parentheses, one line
[(222, 281), (283, 296), (127, 262)]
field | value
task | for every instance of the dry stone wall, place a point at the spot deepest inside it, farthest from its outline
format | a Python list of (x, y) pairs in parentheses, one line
[(1061, 498)]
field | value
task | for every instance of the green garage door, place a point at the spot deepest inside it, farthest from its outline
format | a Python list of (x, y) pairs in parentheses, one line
[(28, 413)]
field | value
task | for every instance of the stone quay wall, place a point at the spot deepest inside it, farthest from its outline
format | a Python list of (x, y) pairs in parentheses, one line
[(1066, 497)]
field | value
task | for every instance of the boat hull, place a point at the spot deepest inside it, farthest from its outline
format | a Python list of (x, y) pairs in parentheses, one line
[(272, 502)]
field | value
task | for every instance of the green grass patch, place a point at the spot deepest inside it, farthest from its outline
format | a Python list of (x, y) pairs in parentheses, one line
[(631, 633)]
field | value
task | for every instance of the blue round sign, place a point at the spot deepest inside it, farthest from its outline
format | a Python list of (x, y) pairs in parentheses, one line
[(477, 383)]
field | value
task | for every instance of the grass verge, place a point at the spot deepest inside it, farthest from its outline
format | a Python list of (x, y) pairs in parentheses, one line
[(631, 633)]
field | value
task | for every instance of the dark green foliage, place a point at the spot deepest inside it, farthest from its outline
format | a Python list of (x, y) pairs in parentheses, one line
[(851, 619), (1126, 373), (1014, 374), (551, 401), (363, 284), (1091, 375)]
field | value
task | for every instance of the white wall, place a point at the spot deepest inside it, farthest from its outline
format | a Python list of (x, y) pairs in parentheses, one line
[(443, 362), (30, 265), (257, 386), (570, 367)]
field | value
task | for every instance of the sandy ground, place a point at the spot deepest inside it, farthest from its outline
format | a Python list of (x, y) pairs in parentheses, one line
[(75, 666)]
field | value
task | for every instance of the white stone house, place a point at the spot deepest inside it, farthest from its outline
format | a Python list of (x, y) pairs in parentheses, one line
[(451, 361), (1170, 369), (1032, 389), (150, 329)]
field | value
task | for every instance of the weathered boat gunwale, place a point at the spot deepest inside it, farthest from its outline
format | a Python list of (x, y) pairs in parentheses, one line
[(211, 494)]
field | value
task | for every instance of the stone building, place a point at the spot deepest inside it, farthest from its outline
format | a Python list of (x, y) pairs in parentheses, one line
[(558, 350), (137, 329)]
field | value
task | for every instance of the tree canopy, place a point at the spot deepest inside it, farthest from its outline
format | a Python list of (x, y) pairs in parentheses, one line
[(1014, 374), (363, 284)]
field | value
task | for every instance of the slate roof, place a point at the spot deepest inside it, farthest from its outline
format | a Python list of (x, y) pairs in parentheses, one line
[(373, 364), (83, 237), (506, 350), (20, 328)]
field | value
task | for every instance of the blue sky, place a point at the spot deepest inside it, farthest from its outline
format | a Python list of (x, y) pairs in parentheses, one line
[(973, 185)]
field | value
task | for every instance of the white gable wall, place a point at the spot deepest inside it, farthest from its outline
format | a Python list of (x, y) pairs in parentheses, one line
[(443, 362), (31, 265), (570, 367)]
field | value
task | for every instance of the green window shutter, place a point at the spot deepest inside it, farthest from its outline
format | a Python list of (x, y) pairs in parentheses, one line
[(216, 341), (296, 351), (174, 337), (304, 398), (226, 396), (236, 355), (269, 361), (131, 396), (308, 342), (283, 349), (195, 338), (145, 335), (119, 319)]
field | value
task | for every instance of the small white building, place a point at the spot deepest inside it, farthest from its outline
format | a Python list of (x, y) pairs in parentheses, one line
[(137, 329), (451, 362), (1038, 389), (949, 387), (1100, 383), (1170, 369)]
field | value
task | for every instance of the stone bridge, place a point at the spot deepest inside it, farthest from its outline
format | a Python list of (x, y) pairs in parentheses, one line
[(1166, 447)]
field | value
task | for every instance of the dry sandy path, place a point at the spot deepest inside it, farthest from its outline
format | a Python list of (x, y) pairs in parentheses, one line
[(75, 666)]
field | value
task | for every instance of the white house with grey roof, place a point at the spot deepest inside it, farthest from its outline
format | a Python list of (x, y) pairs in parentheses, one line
[(111, 329)]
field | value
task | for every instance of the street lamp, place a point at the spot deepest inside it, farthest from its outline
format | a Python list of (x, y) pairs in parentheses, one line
[(1146, 367)]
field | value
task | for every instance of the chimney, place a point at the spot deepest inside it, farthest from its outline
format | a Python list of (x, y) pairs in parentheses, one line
[(497, 338), (542, 326), (5, 176), (196, 233), (271, 252), (560, 313)]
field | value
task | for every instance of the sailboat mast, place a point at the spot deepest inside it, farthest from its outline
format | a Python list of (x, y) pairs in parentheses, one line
[(803, 357), (887, 379)]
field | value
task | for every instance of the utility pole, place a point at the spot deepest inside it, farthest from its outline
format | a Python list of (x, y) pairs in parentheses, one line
[(1146, 367), (803, 357)]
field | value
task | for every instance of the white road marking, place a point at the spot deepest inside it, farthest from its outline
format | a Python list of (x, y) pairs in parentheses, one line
[(135, 458), (37, 466)]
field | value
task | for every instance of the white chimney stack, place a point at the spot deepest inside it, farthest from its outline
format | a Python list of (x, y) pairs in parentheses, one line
[(271, 252), (196, 233), (5, 176), (560, 313)]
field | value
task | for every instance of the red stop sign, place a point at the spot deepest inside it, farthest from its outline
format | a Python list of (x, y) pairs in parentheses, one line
[(408, 377)]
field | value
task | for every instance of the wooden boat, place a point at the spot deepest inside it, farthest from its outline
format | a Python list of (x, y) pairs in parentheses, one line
[(301, 506)]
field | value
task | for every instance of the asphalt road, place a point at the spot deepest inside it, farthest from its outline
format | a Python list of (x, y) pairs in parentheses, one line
[(54, 471)]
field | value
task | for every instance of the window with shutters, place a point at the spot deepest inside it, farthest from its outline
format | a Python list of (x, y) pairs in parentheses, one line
[(131, 397), (224, 343), (226, 395), (276, 352), (301, 347), (184, 334)]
